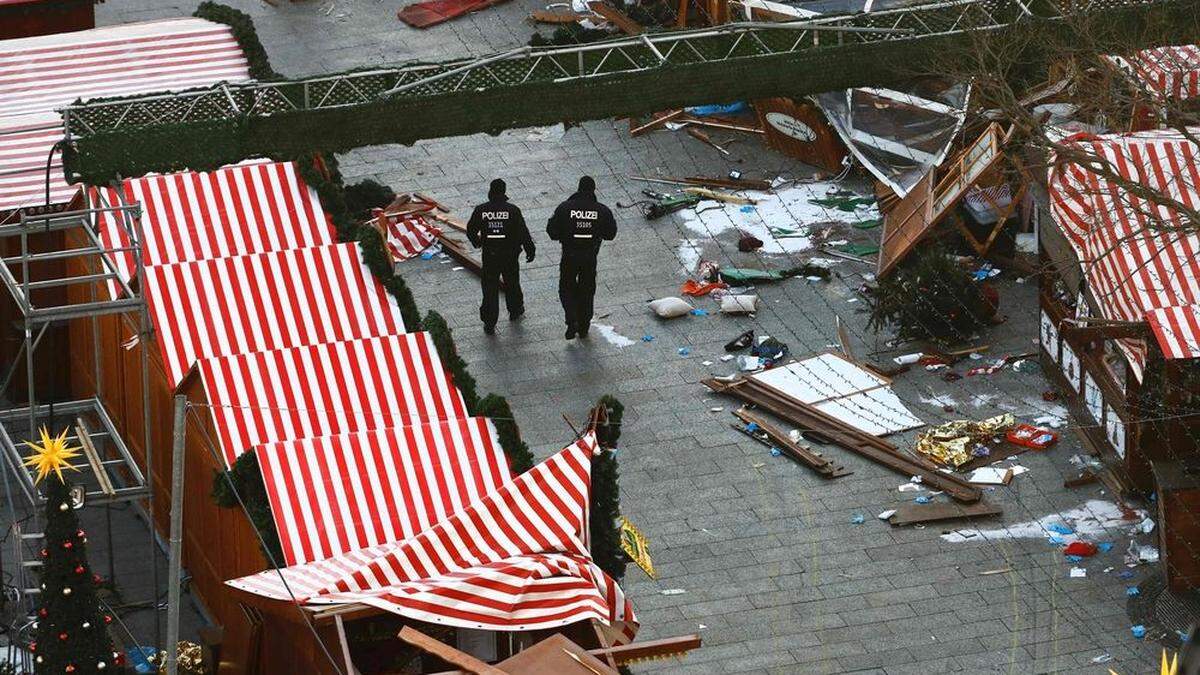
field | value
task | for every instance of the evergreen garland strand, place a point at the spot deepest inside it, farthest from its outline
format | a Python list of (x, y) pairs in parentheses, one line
[(605, 510)]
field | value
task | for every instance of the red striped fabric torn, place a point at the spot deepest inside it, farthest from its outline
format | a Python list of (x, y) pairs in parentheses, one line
[(274, 300), (39, 75), (514, 560), (254, 207), (327, 389), (408, 235), (336, 494), (1141, 259)]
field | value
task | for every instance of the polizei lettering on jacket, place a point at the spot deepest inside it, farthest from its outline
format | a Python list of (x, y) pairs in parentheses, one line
[(494, 215), (590, 215)]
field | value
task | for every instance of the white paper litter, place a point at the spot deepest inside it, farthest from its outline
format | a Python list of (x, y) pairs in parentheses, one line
[(886, 514), (1078, 572), (672, 591)]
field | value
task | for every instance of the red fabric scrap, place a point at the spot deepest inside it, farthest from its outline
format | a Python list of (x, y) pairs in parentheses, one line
[(696, 288), (433, 12), (1083, 549)]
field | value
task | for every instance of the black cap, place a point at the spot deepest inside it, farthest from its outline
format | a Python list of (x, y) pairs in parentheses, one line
[(497, 189), (587, 184)]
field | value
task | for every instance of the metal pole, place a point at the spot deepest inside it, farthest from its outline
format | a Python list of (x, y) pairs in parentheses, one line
[(173, 571)]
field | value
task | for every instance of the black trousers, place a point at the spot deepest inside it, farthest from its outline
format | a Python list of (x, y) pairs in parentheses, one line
[(577, 286), (497, 267)]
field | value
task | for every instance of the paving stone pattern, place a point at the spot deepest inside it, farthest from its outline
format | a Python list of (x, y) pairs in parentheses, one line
[(775, 577)]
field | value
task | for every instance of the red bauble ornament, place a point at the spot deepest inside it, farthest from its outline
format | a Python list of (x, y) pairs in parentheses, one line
[(43, 613), (80, 533), (45, 553), (33, 646), (119, 659), (68, 545), (62, 636), (107, 619), (96, 579), (70, 668), (79, 569)]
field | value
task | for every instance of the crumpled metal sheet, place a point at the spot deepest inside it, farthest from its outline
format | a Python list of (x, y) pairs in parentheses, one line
[(951, 443)]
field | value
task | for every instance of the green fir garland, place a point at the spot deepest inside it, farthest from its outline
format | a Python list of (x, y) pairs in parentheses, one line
[(605, 510)]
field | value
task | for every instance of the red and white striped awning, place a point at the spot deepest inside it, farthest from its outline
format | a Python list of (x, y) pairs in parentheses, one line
[(255, 207), (327, 389), (274, 300), (336, 494), (516, 559), (1141, 260), (39, 75), (1165, 72), (408, 235)]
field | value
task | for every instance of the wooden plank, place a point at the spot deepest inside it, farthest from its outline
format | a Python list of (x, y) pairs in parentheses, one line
[(656, 122), (719, 196), (876, 449), (556, 16), (447, 653), (616, 17), (796, 451), (456, 250), (93, 458), (912, 513)]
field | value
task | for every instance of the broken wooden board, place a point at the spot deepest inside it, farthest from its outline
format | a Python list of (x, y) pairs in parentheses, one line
[(799, 452), (719, 196), (616, 17), (655, 122), (876, 449), (912, 513), (556, 16)]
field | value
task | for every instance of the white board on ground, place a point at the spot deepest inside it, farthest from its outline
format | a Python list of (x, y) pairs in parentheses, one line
[(843, 389)]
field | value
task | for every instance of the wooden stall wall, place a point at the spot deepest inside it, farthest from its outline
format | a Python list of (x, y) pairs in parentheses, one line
[(218, 543)]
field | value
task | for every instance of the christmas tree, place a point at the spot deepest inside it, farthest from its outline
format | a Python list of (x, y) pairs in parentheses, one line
[(71, 628)]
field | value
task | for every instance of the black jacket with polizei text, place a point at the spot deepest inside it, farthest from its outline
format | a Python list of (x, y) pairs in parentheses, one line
[(498, 227), (581, 223)]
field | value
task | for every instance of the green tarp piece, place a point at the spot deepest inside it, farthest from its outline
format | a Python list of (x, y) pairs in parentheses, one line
[(843, 200), (858, 249), (737, 275), (868, 224)]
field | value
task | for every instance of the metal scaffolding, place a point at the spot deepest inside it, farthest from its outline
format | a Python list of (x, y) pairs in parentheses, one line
[(108, 472), (734, 42)]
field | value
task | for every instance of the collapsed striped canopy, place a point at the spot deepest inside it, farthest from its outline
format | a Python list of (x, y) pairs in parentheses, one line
[(39, 75), (1166, 72), (336, 494), (327, 389), (255, 207), (265, 301), (1141, 259), (516, 559), (408, 235)]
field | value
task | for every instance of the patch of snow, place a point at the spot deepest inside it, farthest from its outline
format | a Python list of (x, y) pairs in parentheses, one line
[(940, 401), (1094, 519), (688, 255), (611, 335), (789, 208)]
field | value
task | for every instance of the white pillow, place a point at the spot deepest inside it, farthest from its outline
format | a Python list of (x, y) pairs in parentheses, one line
[(739, 304), (669, 308)]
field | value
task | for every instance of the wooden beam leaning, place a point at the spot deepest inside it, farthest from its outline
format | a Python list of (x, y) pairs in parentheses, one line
[(819, 423), (799, 452), (93, 457)]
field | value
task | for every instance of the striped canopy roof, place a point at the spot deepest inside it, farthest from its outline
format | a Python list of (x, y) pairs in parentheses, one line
[(265, 301), (39, 75), (336, 494), (516, 559), (1141, 259), (254, 207), (1166, 72), (327, 389)]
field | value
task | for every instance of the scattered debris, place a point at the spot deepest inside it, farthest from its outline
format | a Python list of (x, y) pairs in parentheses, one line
[(927, 513), (951, 443)]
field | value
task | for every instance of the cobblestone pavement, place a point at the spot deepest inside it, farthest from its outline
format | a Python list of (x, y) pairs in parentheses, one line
[(774, 575)]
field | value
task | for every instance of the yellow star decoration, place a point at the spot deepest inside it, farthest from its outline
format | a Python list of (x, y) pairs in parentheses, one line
[(52, 454)]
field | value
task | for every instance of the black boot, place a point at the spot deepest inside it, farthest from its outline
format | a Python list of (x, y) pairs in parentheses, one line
[(490, 330), (583, 329), (570, 334)]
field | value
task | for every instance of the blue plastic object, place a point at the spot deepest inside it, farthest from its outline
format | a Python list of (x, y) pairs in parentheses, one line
[(1131, 591), (717, 109), (921, 500), (1139, 631), (858, 519), (647, 338)]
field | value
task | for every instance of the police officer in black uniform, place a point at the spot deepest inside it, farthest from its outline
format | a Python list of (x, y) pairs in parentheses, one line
[(499, 228), (580, 224)]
